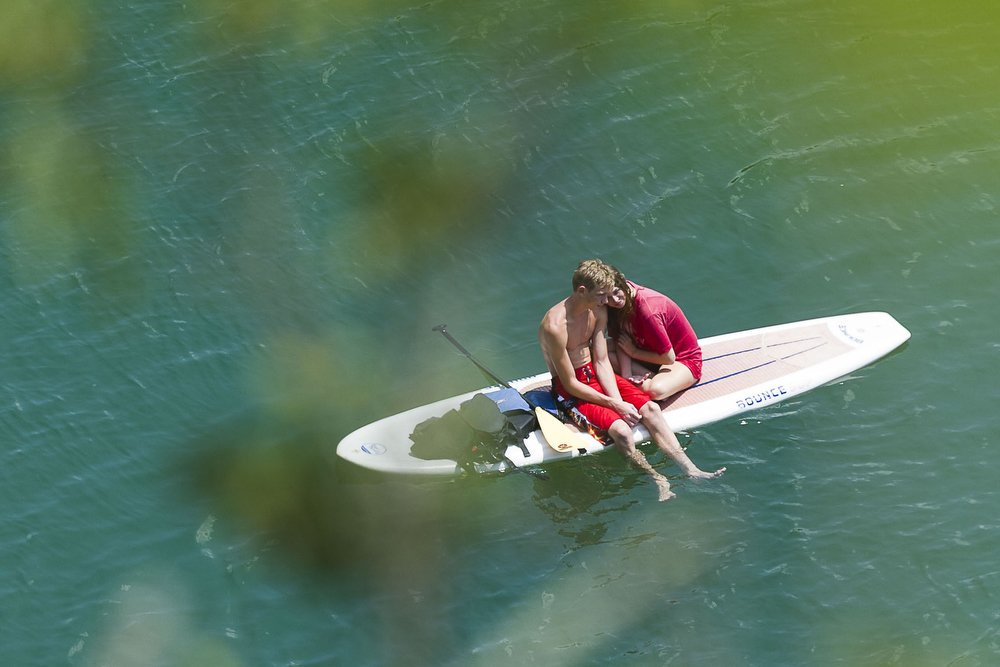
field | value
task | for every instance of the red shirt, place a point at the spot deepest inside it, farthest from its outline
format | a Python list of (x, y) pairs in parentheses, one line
[(658, 324)]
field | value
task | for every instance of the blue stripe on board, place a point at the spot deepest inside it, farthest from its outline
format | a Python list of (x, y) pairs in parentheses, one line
[(734, 374), (766, 363), (731, 354), (808, 349), (751, 349)]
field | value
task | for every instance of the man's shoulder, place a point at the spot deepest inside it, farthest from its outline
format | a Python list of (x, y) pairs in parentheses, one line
[(554, 321), (556, 311)]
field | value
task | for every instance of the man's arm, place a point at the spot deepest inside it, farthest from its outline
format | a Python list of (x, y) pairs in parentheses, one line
[(624, 361), (553, 342), (606, 374), (600, 359)]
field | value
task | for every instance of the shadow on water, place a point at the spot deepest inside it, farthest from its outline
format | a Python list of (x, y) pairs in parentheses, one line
[(280, 482), (344, 534), (284, 484), (408, 545), (405, 546)]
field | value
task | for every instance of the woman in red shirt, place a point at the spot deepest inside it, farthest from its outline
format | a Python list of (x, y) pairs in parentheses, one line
[(654, 344)]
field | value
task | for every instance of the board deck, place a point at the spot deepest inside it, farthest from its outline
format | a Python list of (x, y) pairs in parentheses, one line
[(742, 371)]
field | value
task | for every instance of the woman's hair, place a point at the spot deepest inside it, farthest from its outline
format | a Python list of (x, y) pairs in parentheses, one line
[(619, 319), (593, 274)]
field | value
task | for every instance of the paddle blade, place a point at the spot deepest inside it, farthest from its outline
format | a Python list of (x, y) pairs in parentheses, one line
[(558, 436)]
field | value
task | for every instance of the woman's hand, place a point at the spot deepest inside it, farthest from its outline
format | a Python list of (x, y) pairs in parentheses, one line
[(637, 380)]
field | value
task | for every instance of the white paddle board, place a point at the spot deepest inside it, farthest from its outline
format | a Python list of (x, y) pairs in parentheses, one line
[(742, 371)]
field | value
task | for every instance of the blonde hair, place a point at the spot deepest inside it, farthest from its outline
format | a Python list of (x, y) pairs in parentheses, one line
[(593, 274)]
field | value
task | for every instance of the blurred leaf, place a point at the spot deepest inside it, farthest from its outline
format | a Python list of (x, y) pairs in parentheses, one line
[(416, 203), (299, 22), (41, 40), (69, 210)]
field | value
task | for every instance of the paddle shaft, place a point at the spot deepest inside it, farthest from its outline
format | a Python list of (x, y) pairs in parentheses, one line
[(443, 329)]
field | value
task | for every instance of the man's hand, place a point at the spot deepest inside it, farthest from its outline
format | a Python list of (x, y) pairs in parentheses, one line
[(628, 412)]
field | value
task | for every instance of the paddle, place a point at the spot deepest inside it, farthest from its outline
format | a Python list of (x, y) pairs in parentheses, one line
[(558, 436)]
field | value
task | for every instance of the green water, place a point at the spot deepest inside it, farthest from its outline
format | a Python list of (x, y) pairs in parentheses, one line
[(227, 230)]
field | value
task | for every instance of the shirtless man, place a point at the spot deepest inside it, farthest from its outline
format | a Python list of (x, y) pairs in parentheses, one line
[(576, 352)]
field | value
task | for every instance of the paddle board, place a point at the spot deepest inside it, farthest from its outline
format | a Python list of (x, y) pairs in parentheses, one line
[(741, 372)]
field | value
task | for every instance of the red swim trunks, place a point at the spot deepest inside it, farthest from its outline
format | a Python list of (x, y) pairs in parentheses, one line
[(597, 415)]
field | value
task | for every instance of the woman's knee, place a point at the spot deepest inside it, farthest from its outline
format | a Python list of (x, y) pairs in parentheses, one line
[(667, 383)]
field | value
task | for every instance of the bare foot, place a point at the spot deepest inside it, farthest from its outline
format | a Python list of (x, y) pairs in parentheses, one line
[(701, 474), (664, 486)]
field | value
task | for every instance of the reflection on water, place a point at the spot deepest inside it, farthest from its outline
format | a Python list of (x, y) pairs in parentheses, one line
[(580, 492)]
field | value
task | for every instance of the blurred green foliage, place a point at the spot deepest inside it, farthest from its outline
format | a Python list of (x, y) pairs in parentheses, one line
[(43, 40), (79, 176)]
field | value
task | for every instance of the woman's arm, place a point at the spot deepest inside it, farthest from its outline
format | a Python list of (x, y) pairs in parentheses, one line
[(626, 345)]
